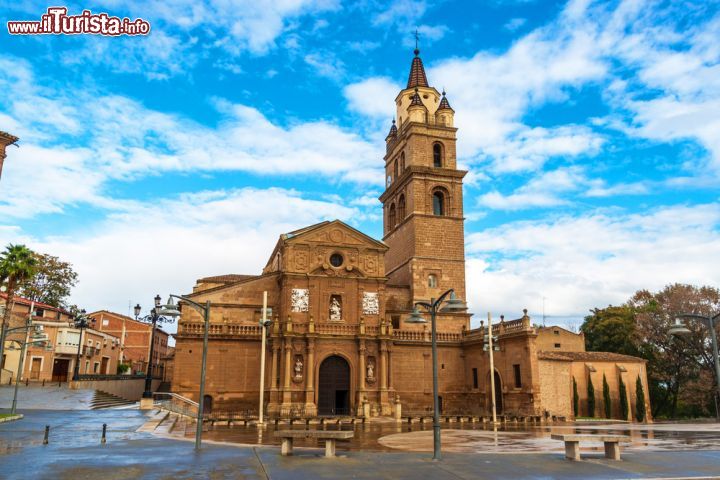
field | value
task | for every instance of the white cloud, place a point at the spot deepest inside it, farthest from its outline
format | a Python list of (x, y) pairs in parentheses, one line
[(514, 24), (124, 140), (555, 187), (374, 97), (163, 247), (326, 64), (579, 263)]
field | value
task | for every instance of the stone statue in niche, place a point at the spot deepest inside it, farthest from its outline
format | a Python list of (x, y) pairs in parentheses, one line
[(298, 369), (370, 370), (335, 308), (299, 299)]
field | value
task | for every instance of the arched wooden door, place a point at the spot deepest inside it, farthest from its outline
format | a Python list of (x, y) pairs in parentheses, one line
[(498, 394), (334, 387)]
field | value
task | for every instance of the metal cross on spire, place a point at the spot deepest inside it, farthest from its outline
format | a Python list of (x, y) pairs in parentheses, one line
[(417, 38)]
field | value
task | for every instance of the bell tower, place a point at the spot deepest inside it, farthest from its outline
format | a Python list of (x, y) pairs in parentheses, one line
[(423, 198)]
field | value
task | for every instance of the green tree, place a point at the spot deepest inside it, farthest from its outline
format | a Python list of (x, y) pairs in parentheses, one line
[(640, 400), (576, 398), (607, 401), (17, 265), (591, 397), (611, 329), (624, 407), (679, 370), (51, 283)]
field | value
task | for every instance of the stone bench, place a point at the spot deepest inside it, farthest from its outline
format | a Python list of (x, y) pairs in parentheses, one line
[(572, 444), (330, 436)]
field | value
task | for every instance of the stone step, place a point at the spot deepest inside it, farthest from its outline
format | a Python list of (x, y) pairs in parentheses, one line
[(166, 426), (153, 422)]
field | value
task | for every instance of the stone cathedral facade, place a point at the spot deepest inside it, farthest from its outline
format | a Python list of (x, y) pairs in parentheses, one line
[(339, 343)]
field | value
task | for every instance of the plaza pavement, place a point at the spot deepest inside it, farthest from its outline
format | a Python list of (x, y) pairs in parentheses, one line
[(75, 452)]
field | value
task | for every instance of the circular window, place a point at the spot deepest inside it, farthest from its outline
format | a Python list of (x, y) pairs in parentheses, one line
[(336, 260)]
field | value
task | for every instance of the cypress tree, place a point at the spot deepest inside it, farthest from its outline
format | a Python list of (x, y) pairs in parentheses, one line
[(624, 408), (606, 398), (576, 398), (639, 400), (591, 397)]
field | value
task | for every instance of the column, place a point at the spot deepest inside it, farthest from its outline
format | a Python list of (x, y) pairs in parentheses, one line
[(362, 369), (274, 371), (385, 405), (287, 373), (310, 408), (383, 365)]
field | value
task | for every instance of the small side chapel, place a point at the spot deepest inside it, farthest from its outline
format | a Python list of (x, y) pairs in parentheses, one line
[(339, 343)]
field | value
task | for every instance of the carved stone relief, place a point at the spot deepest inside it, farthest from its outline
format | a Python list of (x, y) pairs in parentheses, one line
[(370, 303), (300, 300)]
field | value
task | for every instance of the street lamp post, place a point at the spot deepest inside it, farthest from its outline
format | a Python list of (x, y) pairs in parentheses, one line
[(679, 329), (172, 311), (433, 307), (155, 316), (81, 322), (38, 337), (264, 323)]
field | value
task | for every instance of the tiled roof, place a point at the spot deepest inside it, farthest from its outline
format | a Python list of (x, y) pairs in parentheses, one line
[(416, 99), (417, 76), (393, 129), (229, 278), (444, 104), (7, 138), (588, 357), (26, 301)]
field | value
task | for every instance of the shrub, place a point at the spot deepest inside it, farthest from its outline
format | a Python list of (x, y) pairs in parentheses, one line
[(122, 368), (591, 397), (624, 407), (576, 398), (640, 400), (606, 398)]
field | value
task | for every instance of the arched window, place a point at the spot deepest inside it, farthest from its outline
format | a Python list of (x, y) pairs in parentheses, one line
[(402, 162), (437, 155), (401, 208), (438, 203), (391, 217), (432, 281), (395, 166)]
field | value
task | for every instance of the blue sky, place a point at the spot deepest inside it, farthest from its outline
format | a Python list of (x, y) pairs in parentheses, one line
[(591, 131)]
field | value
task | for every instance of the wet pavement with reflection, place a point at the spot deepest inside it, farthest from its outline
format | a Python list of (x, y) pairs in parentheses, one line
[(478, 437)]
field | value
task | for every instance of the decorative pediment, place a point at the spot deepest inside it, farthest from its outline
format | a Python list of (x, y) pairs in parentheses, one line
[(335, 233)]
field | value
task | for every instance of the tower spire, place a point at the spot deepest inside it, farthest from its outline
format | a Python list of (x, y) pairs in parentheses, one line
[(417, 76)]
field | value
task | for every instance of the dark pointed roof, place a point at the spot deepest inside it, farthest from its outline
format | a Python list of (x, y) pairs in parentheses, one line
[(417, 76), (416, 99), (393, 129), (444, 104)]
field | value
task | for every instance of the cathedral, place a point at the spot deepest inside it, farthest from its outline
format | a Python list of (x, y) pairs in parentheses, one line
[(340, 342)]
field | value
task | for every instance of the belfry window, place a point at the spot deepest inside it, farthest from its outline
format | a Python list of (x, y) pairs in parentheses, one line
[(396, 168), (437, 155), (438, 203), (432, 281), (402, 161), (391, 217), (401, 208)]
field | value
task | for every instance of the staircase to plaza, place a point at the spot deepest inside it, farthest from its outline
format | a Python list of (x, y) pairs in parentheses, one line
[(104, 400)]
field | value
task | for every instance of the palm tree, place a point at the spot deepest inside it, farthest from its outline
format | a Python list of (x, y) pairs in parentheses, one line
[(17, 266)]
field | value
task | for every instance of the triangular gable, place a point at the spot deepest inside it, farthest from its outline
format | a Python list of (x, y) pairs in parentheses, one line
[(335, 232)]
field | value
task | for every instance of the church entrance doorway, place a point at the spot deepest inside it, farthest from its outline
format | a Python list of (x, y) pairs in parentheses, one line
[(498, 394), (334, 387)]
